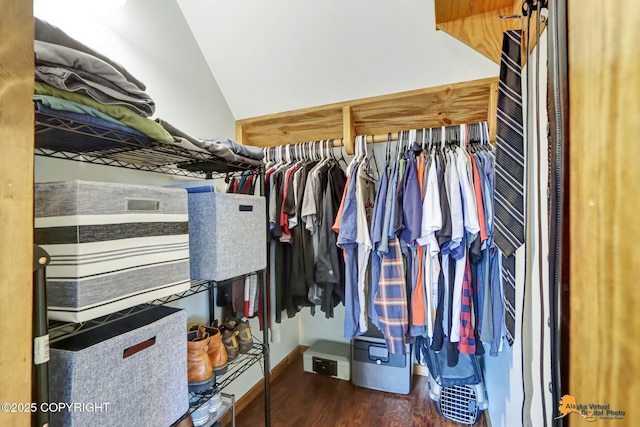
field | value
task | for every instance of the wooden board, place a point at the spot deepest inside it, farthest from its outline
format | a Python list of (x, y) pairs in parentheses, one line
[(16, 206), (482, 32), (478, 24), (457, 103), (301, 398), (604, 77), (310, 124), (450, 10)]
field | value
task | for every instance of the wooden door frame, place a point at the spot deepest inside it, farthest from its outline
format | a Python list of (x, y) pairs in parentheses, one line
[(16, 206)]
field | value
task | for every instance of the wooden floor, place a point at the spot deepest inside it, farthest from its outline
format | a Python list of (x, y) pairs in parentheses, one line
[(301, 399)]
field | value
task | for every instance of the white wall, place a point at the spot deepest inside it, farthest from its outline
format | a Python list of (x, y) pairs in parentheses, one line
[(282, 55), (313, 328), (153, 41), (516, 372)]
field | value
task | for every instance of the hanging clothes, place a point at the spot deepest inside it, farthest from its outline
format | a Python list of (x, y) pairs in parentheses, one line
[(303, 200), (411, 254)]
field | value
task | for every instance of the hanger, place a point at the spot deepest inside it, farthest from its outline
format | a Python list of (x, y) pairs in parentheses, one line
[(399, 146), (342, 154), (413, 141), (361, 142), (485, 133), (387, 151), (374, 157), (432, 146)]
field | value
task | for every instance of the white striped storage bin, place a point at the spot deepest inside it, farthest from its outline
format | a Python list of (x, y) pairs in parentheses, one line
[(112, 246)]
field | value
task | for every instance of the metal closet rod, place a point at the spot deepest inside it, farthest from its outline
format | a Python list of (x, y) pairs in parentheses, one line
[(476, 130), (374, 139)]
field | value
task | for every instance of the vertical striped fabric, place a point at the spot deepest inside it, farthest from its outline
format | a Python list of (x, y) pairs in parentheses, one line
[(510, 169), (510, 164)]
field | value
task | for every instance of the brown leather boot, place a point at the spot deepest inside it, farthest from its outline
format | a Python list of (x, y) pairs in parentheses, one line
[(217, 351), (199, 370)]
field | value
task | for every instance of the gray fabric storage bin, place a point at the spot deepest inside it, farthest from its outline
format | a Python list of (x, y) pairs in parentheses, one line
[(136, 365), (112, 246), (227, 234)]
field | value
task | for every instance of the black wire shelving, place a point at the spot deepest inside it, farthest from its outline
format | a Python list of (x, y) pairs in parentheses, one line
[(59, 330), (235, 369), (67, 139)]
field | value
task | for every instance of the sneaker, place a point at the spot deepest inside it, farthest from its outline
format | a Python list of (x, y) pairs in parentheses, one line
[(230, 341), (215, 403), (245, 340), (200, 416)]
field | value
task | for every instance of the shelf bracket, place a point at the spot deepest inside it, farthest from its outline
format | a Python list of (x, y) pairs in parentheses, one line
[(492, 114), (348, 130)]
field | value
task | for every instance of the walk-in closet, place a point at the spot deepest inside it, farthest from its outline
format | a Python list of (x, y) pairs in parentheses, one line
[(416, 213)]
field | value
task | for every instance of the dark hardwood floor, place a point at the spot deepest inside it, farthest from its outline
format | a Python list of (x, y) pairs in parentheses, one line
[(302, 399)]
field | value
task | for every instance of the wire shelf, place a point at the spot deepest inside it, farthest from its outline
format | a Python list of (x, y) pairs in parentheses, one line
[(67, 139), (235, 369), (59, 330)]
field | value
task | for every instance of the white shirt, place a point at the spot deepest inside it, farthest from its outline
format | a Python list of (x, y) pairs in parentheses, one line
[(455, 201), (471, 223)]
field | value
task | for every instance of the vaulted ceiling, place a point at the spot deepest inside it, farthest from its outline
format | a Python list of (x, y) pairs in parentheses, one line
[(279, 55)]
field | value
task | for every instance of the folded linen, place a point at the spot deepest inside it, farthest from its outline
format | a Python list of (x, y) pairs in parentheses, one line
[(241, 150), (49, 33), (214, 148), (78, 61), (60, 104), (78, 142), (119, 112), (91, 76), (68, 80)]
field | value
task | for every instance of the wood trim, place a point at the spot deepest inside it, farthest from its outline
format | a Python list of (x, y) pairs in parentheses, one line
[(16, 206), (482, 32), (450, 10), (604, 83), (348, 130), (444, 105), (254, 392), (492, 118), (240, 134), (478, 24), (420, 370)]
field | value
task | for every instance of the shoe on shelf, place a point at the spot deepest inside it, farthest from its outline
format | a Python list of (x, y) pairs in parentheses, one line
[(200, 416), (199, 369), (217, 352), (215, 403), (245, 340), (230, 341)]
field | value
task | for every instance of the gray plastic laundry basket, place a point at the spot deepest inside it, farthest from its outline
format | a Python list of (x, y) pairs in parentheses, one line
[(458, 391)]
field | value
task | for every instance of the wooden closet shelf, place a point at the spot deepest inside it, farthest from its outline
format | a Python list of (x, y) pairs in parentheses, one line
[(450, 104), (478, 24)]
